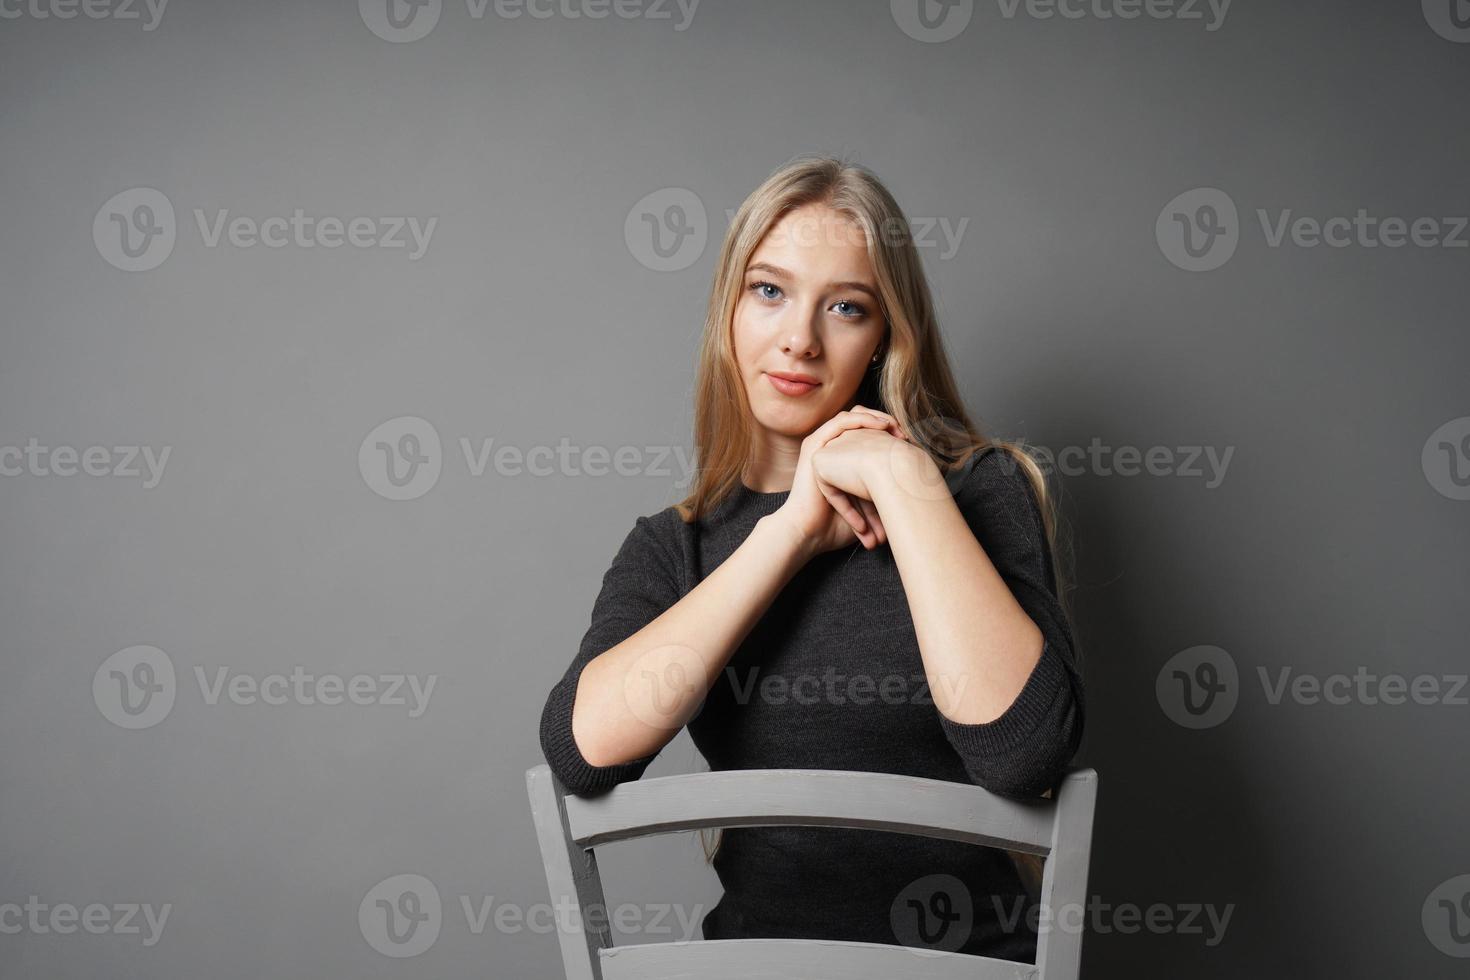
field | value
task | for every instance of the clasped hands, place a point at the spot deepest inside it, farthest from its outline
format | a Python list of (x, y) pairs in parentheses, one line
[(844, 465)]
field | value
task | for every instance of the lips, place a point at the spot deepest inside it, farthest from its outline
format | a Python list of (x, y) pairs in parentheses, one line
[(791, 384)]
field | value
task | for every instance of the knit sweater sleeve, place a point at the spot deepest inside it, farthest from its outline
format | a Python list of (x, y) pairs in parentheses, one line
[(1024, 751), (642, 582)]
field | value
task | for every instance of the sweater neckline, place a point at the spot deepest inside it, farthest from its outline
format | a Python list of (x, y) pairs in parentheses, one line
[(760, 502), (764, 493)]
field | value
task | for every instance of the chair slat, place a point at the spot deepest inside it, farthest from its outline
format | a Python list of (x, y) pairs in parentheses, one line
[(569, 827), (813, 797), (799, 959)]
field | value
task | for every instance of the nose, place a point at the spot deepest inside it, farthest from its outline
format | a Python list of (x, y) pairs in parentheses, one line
[(799, 337)]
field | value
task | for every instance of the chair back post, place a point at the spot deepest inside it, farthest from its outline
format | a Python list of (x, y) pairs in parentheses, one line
[(1064, 880), (571, 875)]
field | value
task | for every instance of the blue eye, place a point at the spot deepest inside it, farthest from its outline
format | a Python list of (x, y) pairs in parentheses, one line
[(856, 310)]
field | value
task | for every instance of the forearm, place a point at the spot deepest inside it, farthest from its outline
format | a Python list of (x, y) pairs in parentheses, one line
[(633, 698), (977, 644)]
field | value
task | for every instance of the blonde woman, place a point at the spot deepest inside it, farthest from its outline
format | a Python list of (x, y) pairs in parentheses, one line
[(858, 580)]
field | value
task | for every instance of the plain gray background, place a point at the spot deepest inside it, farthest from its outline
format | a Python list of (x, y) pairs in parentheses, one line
[(1335, 376)]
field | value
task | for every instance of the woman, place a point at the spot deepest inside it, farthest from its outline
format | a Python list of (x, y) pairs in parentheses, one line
[(858, 580)]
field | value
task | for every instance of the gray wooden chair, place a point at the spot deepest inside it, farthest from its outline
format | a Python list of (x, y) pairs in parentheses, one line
[(569, 827)]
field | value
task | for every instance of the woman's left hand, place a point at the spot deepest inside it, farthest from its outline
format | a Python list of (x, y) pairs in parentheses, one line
[(852, 462)]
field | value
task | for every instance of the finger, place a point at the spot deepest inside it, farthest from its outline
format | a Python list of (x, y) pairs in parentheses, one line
[(843, 421), (843, 504), (874, 536), (892, 422), (875, 521), (870, 513)]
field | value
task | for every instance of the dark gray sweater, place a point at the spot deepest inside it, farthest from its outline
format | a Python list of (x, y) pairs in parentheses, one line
[(831, 677)]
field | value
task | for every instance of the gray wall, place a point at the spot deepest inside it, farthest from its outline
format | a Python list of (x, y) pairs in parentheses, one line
[(1051, 165)]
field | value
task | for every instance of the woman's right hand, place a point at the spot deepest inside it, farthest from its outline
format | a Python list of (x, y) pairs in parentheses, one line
[(826, 518)]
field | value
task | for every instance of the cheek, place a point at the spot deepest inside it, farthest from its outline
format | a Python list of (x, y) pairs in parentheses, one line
[(851, 362), (746, 335)]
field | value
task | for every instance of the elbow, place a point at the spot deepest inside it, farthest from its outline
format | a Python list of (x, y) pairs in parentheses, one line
[(563, 756), (1034, 765), (558, 745)]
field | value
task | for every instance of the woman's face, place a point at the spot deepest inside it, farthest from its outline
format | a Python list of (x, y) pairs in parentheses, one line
[(808, 307)]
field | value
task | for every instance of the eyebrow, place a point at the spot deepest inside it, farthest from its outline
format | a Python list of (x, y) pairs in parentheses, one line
[(776, 270)]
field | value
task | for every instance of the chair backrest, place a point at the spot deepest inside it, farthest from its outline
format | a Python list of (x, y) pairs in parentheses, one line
[(568, 827)]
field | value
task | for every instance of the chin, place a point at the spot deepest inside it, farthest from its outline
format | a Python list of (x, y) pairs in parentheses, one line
[(790, 421)]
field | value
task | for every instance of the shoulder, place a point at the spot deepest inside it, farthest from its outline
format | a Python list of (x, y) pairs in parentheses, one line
[(993, 480), (665, 525), (657, 539)]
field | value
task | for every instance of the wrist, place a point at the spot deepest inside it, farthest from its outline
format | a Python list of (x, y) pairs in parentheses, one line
[(905, 473), (793, 543)]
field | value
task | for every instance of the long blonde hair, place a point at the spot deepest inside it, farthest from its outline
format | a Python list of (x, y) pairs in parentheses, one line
[(913, 383)]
